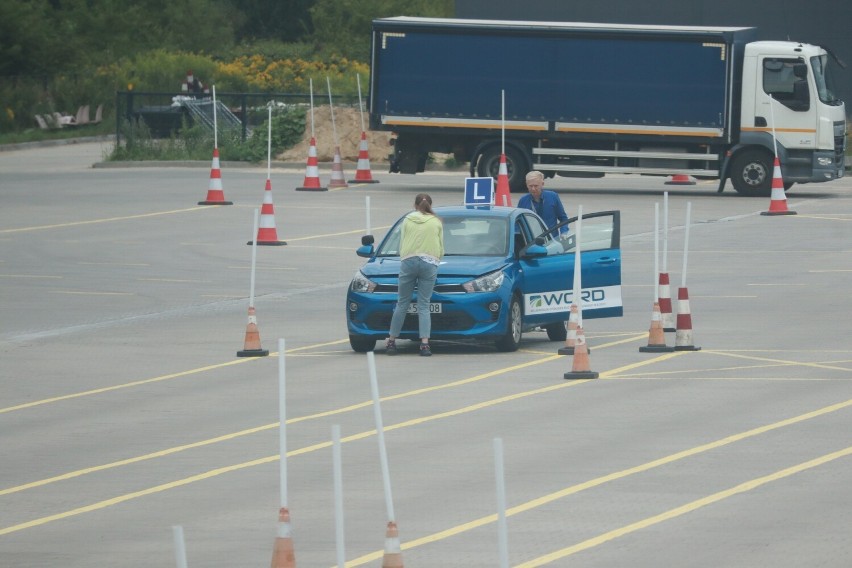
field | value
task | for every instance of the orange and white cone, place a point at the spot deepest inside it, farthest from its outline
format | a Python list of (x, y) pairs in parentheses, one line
[(312, 180), (571, 336), (683, 337), (362, 170), (337, 180), (393, 550), (283, 554), (664, 296), (215, 193), (251, 346), (580, 368), (503, 196), (778, 203), (680, 179), (267, 234), (656, 337)]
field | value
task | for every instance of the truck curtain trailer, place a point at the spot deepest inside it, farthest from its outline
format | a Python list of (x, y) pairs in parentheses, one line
[(584, 99)]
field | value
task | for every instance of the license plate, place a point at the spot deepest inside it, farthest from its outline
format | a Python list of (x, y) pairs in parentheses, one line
[(434, 308)]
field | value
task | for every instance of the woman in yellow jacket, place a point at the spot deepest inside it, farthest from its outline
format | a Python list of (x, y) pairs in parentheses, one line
[(420, 253)]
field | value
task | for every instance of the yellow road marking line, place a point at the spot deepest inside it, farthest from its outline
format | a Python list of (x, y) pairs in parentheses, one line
[(95, 221), (90, 293)]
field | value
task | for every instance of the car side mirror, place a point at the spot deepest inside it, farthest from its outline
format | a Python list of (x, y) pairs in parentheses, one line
[(365, 251), (535, 250)]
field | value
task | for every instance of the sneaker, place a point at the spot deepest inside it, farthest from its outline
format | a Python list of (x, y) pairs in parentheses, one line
[(425, 350), (390, 347)]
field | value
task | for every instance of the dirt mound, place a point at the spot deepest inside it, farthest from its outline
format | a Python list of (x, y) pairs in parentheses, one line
[(347, 126)]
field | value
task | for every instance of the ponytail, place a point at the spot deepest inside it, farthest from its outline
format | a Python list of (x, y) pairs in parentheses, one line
[(423, 203)]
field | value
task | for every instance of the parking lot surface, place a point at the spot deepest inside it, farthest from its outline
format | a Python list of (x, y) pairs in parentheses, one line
[(125, 411)]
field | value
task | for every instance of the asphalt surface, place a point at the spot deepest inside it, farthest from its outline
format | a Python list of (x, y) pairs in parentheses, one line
[(124, 411)]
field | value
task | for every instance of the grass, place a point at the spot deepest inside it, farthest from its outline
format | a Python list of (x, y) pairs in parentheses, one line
[(39, 135)]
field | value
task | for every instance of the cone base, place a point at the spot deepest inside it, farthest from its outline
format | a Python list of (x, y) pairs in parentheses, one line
[(253, 353), (656, 349), (686, 348), (215, 202), (669, 329), (772, 213), (268, 243), (679, 183), (570, 350), (574, 375), (311, 189), (363, 181)]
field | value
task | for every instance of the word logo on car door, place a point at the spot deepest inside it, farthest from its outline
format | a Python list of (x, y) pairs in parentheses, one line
[(560, 301)]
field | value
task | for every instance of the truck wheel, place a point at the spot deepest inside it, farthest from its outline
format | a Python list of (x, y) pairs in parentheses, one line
[(512, 339), (517, 166), (751, 173)]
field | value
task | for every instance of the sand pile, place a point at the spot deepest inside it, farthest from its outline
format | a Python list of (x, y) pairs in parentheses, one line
[(347, 125)]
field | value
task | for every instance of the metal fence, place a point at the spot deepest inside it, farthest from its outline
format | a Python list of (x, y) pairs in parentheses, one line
[(165, 114)]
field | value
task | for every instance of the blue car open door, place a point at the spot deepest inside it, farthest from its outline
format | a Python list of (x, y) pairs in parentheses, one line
[(549, 278)]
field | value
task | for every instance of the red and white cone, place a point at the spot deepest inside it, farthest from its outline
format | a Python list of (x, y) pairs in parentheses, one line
[(215, 193), (312, 180), (571, 336), (393, 550), (283, 554), (664, 296), (267, 234), (503, 196), (580, 368), (778, 203), (683, 336), (656, 337), (362, 170), (680, 179), (337, 180), (251, 345)]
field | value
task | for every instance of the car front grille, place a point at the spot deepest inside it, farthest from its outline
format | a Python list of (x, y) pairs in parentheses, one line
[(455, 321), (439, 288)]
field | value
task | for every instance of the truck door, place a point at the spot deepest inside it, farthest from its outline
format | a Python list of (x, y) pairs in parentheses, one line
[(549, 280), (784, 83)]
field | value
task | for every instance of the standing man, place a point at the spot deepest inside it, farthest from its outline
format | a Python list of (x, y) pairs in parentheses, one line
[(544, 202)]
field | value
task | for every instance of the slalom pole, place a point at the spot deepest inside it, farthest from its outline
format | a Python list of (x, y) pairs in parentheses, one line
[(180, 546), (578, 292), (368, 215), (338, 496), (311, 87), (253, 259), (380, 435), (665, 230), (503, 121), (360, 102), (502, 532), (685, 244), (654, 295), (331, 108), (282, 425), (215, 124), (269, 145)]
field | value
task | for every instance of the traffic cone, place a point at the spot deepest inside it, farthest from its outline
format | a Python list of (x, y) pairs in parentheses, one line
[(283, 555), (683, 337), (312, 180), (680, 179), (393, 552), (656, 337), (215, 194), (337, 179), (664, 294), (266, 231), (503, 196), (778, 203), (571, 337), (362, 170), (580, 365), (251, 347)]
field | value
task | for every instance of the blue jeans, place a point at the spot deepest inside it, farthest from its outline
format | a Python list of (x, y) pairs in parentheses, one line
[(414, 270)]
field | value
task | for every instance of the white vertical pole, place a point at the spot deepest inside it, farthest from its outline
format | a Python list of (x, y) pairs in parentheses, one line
[(269, 145), (360, 102), (380, 431), (685, 245), (311, 87), (215, 124), (282, 416), (338, 496), (180, 546), (502, 532), (578, 290), (253, 259), (503, 122), (331, 108), (772, 117), (654, 294), (665, 230), (368, 215)]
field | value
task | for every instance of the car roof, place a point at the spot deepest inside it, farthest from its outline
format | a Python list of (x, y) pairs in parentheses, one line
[(474, 211)]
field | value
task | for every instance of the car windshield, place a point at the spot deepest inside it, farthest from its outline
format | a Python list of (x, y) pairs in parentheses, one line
[(475, 235)]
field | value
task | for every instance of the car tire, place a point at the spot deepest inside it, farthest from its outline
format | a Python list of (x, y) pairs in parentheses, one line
[(556, 331), (512, 339), (361, 343)]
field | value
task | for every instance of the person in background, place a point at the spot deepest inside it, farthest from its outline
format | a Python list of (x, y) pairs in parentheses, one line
[(420, 252), (544, 202)]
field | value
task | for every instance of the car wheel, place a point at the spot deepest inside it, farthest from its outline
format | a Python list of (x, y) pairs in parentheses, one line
[(512, 339), (556, 331), (362, 344)]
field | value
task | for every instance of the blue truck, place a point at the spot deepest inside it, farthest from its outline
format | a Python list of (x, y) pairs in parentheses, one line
[(584, 100)]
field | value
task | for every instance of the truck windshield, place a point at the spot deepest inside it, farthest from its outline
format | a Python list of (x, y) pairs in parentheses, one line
[(824, 80)]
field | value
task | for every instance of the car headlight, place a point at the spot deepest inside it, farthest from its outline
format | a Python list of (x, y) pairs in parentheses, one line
[(488, 283), (361, 283)]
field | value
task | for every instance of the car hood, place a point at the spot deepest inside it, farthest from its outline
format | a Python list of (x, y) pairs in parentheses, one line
[(451, 266)]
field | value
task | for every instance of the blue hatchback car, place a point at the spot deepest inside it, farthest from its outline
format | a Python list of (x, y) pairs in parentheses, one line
[(503, 273)]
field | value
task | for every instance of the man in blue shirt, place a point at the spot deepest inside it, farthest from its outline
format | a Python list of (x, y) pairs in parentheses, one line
[(544, 202)]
